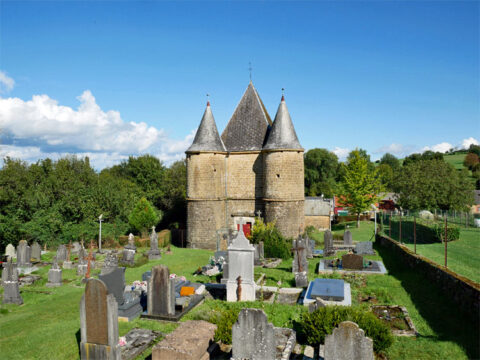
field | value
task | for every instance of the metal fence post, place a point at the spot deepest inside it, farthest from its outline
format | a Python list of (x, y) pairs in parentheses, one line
[(400, 229), (415, 234), (390, 225), (445, 239)]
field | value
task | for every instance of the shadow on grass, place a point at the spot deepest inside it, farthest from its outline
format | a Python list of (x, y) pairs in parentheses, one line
[(441, 314), (78, 337)]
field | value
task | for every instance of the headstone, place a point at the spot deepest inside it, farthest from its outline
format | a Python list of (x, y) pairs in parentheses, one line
[(10, 251), (300, 262), (76, 247), (110, 263), (23, 254), (301, 279), (36, 251), (61, 253), (364, 248), (253, 337), (310, 248), (54, 275), (131, 242), (128, 302), (161, 292), (259, 252), (328, 249), (82, 266), (11, 290), (352, 261), (190, 341), (348, 341), (154, 253), (128, 257), (240, 283), (347, 238), (98, 323), (328, 289)]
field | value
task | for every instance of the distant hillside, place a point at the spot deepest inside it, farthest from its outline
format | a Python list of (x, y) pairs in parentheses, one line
[(455, 159)]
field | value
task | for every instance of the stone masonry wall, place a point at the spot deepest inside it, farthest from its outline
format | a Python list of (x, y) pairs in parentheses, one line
[(464, 292), (320, 222), (203, 219), (288, 216), (206, 176), (245, 175), (284, 175)]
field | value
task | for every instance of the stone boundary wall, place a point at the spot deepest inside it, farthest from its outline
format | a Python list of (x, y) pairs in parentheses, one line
[(464, 292)]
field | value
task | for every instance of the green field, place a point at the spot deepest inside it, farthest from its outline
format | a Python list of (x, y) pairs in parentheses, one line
[(47, 325), (456, 160)]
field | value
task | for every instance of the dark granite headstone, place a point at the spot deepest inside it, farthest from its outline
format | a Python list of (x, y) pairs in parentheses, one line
[(115, 282), (352, 261), (36, 251), (347, 238), (327, 289), (328, 243)]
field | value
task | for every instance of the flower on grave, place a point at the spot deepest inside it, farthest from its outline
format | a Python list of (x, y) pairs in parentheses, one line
[(279, 282), (122, 341), (173, 276), (183, 278)]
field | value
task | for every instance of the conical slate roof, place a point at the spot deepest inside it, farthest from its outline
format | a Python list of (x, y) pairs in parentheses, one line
[(207, 137), (248, 126), (282, 135)]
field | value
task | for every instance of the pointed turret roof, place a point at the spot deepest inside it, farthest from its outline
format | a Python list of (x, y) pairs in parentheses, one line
[(248, 126), (207, 137), (282, 135)]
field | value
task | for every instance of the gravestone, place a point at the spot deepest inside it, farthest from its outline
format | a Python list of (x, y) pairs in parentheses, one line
[(301, 279), (352, 261), (253, 337), (327, 289), (10, 251), (76, 247), (364, 248), (128, 257), (347, 238), (23, 254), (300, 262), (310, 248), (54, 275), (128, 302), (259, 253), (36, 251), (82, 266), (154, 253), (110, 263), (240, 283), (11, 290), (131, 242), (348, 341), (98, 323), (161, 292), (328, 249), (61, 253)]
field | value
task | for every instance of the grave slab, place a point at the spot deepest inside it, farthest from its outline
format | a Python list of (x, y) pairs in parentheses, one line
[(347, 296), (377, 267)]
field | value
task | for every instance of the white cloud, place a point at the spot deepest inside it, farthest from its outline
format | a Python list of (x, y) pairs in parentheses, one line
[(40, 128), (442, 147), (341, 153), (6, 82), (467, 142), (395, 149)]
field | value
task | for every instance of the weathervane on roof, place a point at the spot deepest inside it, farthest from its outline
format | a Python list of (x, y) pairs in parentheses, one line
[(250, 70), (208, 99)]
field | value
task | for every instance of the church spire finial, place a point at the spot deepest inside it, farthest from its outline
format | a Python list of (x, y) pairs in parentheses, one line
[(283, 94), (208, 99), (250, 70)]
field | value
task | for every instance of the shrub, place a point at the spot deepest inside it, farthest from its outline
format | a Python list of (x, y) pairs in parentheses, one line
[(275, 245), (313, 327)]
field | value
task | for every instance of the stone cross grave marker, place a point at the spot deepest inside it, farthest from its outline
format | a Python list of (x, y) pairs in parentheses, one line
[(352, 261), (36, 251), (253, 337), (347, 238), (10, 251), (161, 292), (348, 341), (98, 323), (300, 262), (240, 264), (11, 290), (23, 254), (61, 253)]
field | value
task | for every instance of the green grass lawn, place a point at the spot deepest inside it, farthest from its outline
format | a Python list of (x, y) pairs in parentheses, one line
[(463, 255), (456, 160), (47, 325)]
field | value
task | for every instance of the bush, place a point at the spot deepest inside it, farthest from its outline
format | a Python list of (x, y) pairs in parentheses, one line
[(275, 245), (313, 327)]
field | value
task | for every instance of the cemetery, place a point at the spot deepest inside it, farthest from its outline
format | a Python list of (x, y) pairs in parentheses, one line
[(151, 306)]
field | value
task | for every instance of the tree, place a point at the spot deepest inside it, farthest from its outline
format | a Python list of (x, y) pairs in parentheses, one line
[(426, 155), (364, 155), (360, 185), (471, 159), (386, 175), (391, 160), (320, 171), (434, 184), (475, 149), (143, 216)]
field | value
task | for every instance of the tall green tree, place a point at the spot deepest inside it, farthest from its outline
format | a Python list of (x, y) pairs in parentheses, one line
[(390, 160), (360, 185), (144, 216), (320, 172), (434, 184)]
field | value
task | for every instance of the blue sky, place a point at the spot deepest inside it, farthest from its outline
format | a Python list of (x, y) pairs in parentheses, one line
[(383, 76)]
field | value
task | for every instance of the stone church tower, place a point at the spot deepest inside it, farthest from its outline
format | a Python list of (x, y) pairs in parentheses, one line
[(255, 167)]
